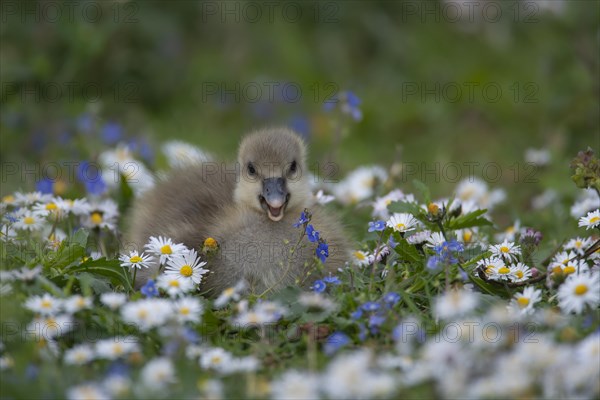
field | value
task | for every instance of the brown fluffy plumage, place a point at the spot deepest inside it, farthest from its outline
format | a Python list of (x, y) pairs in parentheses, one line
[(249, 209)]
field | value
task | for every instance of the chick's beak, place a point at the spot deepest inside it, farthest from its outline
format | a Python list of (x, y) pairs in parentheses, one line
[(274, 197)]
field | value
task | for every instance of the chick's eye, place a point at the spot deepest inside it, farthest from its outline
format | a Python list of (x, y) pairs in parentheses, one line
[(251, 169), (293, 167)]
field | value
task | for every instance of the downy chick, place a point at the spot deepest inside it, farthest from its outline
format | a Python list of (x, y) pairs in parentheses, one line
[(256, 231)]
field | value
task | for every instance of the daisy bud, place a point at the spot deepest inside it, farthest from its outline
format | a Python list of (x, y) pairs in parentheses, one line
[(433, 208), (210, 245)]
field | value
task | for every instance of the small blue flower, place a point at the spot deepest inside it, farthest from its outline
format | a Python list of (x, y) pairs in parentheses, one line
[(362, 332), (149, 289), (434, 262), (91, 176), (357, 314), (392, 243), (319, 286), (111, 133), (32, 371), (376, 320), (117, 368), (302, 220), (376, 226), (45, 186), (85, 124), (322, 251), (312, 234), (190, 335), (334, 280), (334, 342), (391, 298), (371, 306)]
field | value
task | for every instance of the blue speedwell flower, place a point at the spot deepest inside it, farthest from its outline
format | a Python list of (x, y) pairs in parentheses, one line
[(91, 176), (112, 133), (322, 251), (45, 186), (391, 298), (334, 342), (376, 226), (445, 254), (371, 306), (312, 234), (302, 220), (334, 280), (319, 286), (149, 289)]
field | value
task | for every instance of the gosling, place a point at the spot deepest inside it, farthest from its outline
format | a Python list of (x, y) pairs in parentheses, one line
[(250, 210)]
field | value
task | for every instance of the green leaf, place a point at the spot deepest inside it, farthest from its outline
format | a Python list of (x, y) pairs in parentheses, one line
[(404, 207), (423, 189), (103, 267), (469, 220), (80, 237), (405, 250)]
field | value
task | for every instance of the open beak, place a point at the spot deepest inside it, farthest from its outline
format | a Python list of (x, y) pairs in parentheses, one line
[(274, 198)]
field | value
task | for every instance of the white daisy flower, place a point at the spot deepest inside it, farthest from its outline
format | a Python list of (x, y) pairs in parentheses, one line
[(360, 258), (182, 154), (466, 235), (419, 237), (436, 239), (359, 184), (187, 266), (579, 245), (135, 260), (7, 233), (118, 386), (48, 209), (103, 214), (540, 157), (49, 327), (28, 199), (29, 221), (231, 293), (120, 156), (402, 222), (44, 305), (591, 220), (27, 274), (87, 391), (316, 301), (188, 309), (116, 347), (297, 385), (509, 233), (252, 318), (158, 373), (380, 205), (524, 301), (586, 201), (471, 188), (323, 198), (506, 249), (77, 207), (521, 272), (173, 285), (79, 355), (216, 358), (562, 260), (55, 239), (455, 303), (113, 300), (76, 303), (147, 313), (164, 248), (579, 290)]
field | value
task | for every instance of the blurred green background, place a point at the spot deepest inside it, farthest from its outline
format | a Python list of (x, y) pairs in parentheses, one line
[(438, 83)]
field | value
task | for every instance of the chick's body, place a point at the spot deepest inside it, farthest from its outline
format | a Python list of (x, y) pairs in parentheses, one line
[(250, 210)]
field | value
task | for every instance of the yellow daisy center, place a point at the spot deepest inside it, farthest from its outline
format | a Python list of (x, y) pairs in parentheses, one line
[(215, 359), (8, 199), (186, 271), (29, 220), (117, 348), (557, 270), (523, 302), (467, 236), (174, 283), (229, 291), (359, 256), (489, 269), (581, 289), (519, 274), (504, 270), (593, 220), (504, 249), (135, 259), (166, 249), (81, 302), (388, 202), (142, 314), (578, 244), (46, 304), (96, 218), (210, 243), (569, 270), (400, 226), (51, 207), (184, 310)]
